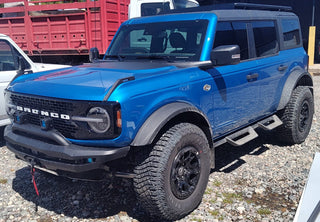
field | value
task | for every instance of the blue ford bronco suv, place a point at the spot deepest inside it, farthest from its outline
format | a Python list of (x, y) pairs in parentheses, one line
[(169, 89)]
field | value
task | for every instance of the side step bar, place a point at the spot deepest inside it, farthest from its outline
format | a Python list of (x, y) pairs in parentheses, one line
[(247, 134), (241, 137), (270, 123)]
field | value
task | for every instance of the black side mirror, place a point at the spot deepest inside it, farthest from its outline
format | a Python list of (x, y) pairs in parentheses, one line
[(225, 55), (93, 54), (21, 66)]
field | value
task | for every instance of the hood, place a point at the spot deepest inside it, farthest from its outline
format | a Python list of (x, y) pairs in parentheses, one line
[(46, 66), (87, 82)]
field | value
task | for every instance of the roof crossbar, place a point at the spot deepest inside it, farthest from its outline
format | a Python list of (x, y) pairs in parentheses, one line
[(262, 7), (222, 6)]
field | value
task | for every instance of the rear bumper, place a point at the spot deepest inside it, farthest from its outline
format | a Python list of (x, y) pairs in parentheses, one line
[(51, 151)]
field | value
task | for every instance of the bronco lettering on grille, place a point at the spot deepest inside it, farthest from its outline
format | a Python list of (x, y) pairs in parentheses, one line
[(43, 113)]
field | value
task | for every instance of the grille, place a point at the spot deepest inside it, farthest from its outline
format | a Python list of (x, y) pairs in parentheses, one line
[(65, 127), (43, 104), (68, 128)]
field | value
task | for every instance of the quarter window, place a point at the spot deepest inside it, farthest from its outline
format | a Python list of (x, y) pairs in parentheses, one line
[(291, 33)]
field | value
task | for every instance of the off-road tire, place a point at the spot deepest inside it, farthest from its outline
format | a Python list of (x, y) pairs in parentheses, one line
[(181, 154), (296, 117)]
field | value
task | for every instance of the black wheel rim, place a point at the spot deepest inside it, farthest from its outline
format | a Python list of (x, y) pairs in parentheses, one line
[(304, 116), (185, 172)]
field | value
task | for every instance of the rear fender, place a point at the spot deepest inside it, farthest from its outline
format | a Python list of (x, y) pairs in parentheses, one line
[(295, 79)]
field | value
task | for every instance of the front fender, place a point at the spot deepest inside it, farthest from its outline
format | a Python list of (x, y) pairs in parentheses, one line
[(159, 119)]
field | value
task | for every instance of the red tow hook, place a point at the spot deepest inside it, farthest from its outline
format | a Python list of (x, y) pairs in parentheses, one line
[(33, 179)]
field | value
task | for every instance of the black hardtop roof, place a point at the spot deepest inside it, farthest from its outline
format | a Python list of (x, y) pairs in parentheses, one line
[(239, 14), (239, 11)]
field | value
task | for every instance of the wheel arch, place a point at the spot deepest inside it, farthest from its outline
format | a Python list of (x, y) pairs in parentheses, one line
[(295, 79), (167, 116)]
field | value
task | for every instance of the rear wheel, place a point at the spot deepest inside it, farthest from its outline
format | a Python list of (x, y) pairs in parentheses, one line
[(171, 180), (297, 116)]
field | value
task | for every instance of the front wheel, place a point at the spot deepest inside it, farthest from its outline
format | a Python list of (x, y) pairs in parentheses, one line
[(171, 180), (297, 116)]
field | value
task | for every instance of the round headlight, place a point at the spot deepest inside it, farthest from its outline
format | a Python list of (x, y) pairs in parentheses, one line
[(99, 120)]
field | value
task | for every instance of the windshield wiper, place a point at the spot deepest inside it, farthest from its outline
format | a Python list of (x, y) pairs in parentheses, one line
[(119, 57), (154, 57)]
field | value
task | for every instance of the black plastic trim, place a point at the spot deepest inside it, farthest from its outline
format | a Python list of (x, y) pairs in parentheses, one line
[(115, 85), (289, 86), (152, 126)]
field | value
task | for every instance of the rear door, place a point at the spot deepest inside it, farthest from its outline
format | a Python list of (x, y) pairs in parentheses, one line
[(271, 65)]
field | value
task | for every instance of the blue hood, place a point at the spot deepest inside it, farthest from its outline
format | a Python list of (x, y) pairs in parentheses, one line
[(87, 82)]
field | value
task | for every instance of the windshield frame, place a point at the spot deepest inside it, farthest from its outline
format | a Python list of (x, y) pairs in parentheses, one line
[(202, 27)]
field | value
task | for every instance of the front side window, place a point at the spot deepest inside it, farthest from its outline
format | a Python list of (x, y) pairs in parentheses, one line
[(7, 62), (265, 38), (291, 33), (232, 33), (179, 40)]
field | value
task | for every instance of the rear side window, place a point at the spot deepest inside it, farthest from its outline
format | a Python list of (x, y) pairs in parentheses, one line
[(291, 33), (148, 9), (265, 38), (233, 33)]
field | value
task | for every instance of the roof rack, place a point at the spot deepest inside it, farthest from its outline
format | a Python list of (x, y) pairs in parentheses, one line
[(246, 6), (262, 7)]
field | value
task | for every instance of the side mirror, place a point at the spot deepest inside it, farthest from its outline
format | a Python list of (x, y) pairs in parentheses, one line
[(21, 66), (93, 54), (225, 55)]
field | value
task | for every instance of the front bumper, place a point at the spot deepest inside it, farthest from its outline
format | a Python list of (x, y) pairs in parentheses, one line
[(51, 151)]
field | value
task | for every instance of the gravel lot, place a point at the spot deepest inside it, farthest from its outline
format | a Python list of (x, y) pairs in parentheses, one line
[(260, 181)]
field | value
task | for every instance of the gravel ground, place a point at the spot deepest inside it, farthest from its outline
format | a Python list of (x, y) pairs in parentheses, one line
[(260, 181)]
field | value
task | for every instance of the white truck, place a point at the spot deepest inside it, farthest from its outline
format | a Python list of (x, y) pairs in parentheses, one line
[(138, 8), (11, 58)]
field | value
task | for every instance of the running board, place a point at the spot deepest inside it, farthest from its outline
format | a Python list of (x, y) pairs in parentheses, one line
[(247, 134), (241, 137), (270, 123)]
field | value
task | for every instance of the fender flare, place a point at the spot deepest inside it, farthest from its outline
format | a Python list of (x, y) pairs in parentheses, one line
[(158, 119), (290, 85)]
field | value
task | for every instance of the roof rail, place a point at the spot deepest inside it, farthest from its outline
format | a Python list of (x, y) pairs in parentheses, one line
[(221, 6), (262, 7)]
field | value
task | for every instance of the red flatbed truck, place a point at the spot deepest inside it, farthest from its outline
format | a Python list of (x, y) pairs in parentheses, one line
[(63, 32)]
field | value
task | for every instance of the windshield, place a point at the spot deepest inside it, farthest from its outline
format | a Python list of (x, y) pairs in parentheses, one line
[(178, 40)]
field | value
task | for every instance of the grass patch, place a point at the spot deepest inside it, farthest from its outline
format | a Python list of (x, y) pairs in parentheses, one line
[(208, 190), (230, 197), (3, 181), (217, 183), (214, 212), (264, 211)]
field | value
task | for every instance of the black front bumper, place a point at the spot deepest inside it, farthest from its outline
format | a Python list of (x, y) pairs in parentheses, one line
[(51, 151)]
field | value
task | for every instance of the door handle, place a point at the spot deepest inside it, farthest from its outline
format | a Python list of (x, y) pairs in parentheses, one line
[(252, 77), (282, 68)]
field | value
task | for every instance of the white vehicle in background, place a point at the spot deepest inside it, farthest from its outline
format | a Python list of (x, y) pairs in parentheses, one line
[(10, 58), (138, 8)]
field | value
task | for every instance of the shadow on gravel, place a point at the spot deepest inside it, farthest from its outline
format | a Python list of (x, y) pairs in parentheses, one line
[(2, 141), (228, 157), (81, 199)]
